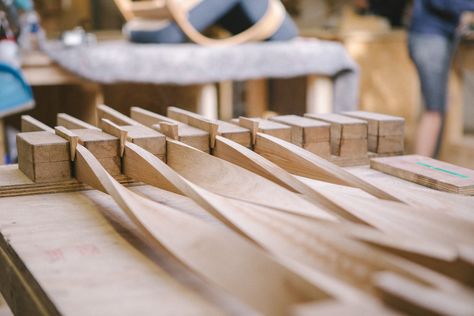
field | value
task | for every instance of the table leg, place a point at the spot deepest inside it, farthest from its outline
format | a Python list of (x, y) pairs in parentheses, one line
[(256, 98), (207, 102), (319, 94), (226, 102)]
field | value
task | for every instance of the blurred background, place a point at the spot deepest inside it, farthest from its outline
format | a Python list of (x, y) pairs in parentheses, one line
[(373, 32)]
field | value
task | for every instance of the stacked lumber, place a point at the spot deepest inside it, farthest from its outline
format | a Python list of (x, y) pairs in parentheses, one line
[(348, 135), (385, 132), (240, 221)]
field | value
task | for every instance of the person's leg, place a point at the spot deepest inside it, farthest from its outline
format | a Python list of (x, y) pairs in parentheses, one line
[(431, 55), (428, 132)]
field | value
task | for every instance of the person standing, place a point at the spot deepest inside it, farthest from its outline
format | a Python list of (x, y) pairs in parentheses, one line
[(432, 41)]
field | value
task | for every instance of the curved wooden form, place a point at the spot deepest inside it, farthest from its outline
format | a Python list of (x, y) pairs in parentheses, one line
[(256, 279), (301, 162), (290, 237), (227, 179)]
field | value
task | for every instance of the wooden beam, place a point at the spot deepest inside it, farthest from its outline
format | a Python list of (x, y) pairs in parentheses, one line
[(30, 124)]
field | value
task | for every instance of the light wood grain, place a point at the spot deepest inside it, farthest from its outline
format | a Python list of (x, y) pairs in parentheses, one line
[(303, 163), (71, 122), (428, 172), (30, 124), (187, 134), (270, 284)]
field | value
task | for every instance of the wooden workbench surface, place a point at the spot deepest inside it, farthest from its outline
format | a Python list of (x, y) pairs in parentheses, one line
[(76, 253), (83, 257)]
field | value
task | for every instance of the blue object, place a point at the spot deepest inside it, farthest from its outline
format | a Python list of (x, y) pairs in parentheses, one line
[(432, 54), (25, 5), (15, 94), (233, 15), (439, 17)]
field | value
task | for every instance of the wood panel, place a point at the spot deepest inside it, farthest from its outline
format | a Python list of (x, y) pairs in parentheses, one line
[(428, 172)]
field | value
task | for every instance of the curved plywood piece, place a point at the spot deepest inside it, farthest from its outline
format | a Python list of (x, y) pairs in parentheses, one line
[(301, 162), (227, 179), (157, 173), (211, 251), (302, 244), (374, 211)]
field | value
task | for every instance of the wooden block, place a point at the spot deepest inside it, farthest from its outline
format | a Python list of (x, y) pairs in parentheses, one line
[(187, 134), (225, 129), (380, 124), (349, 147), (113, 165), (386, 144), (303, 130), (105, 147), (312, 135), (385, 132), (236, 133), (342, 126), (348, 135), (322, 149), (44, 156), (100, 144), (428, 172), (273, 128), (148, 139)]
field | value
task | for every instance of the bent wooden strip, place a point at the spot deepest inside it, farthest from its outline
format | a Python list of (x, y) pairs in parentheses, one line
[(298, 161), (225, 178), (30, 124), (71, 122), (247, 218), (211, 251)]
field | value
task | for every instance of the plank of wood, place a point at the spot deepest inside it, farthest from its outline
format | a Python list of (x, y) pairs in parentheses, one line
[(187, 134), (428, 172), (225, 129), (195, 120), (271, 128), (348, 135), (104, 111), (71, 122), (136, 132), (380, 124), (456, 205), (30, 124)]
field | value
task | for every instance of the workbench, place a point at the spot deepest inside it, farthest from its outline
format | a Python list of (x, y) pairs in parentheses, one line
[(77, 254)]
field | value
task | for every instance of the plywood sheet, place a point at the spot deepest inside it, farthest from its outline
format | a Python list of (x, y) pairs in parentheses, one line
[(428, 172)]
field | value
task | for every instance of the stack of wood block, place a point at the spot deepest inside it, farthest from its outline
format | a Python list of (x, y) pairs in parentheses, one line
[(385, 132), (312, 135), (348, 135)]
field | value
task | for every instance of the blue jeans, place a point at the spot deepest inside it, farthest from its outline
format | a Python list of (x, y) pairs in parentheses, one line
[(233, 15), (432, 56)]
